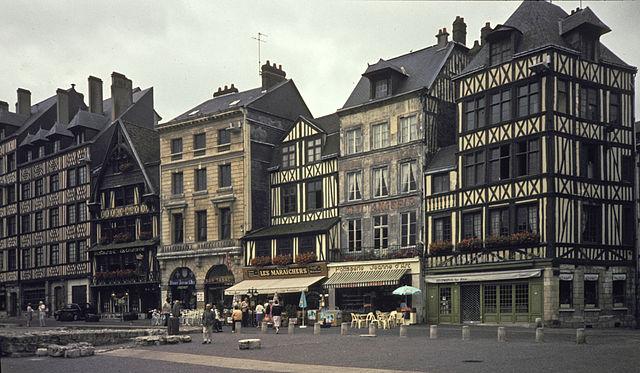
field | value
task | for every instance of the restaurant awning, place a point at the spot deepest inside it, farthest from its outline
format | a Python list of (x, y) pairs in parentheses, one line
[(484, 276), (276, 285), (356, 279)]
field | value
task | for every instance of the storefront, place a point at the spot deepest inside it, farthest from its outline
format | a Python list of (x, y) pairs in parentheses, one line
[(219, 278), (367, 286), (182, 287)]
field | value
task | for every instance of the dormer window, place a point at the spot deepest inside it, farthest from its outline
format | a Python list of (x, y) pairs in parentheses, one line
[(56, 146), (41, 151), (501, 51), (382, 88), (79, 137)]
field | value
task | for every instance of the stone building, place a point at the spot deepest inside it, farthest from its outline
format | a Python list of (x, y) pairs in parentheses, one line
[(214, 183), (400, 112), (531, 215)]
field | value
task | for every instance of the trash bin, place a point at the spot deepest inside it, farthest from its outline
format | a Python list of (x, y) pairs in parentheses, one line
[(173, 328)]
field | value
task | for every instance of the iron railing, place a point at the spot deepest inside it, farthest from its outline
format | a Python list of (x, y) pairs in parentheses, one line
[(346, 254), (220, 244), (117, 278)]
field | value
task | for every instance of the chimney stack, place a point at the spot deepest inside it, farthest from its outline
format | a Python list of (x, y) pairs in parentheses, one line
[(460, 31), (4, 106), (95, 95), (121, 94), (23, 106), (62, 104), (272, 75), (225, 91), (484, 32), (442, 37)]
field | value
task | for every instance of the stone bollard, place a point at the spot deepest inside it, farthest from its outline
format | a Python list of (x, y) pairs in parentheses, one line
[(263, 327), (539, 322), (249, 344), (433, 332), (502, 334), (291, 328), (403, 330), (344, 328), (316, 328), (581, 337), (372, 329), (539, 335), (466, 333), (238, 327)]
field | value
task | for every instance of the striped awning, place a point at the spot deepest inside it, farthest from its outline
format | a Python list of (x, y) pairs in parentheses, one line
[(271, 286), (357, 279)]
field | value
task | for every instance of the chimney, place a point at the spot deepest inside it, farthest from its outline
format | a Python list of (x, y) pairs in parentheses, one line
[(225, 91), (121, 94), (62, 104), (23, 106), (4, 106), (272, 75), (460, 31), (484, 32), (95, 95), (475, 48), (443, 37)]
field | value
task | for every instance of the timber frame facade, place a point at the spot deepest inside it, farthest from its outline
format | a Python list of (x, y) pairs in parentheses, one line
[(538, 222)]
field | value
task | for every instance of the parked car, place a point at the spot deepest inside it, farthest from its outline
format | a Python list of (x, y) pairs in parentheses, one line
[(75, 311)]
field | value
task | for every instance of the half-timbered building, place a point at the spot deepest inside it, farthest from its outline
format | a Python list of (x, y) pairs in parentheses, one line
[(537, 202)]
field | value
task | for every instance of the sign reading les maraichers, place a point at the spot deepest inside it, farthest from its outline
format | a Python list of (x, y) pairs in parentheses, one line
[(319, 269)]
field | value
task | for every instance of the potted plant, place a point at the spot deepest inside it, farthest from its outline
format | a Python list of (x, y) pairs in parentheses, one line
[(498, 241), (524, 238), (440, 247), (306, 258), (261, 261), (470, 244), (282, 260)]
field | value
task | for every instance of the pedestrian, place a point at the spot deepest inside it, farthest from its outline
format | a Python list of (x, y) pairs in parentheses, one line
[(276, 315), (244, 307), (166, 311), (207, 324), (236, 315), (259, 314), (29, 314), (42, 312), (217, 324), (176, 310)]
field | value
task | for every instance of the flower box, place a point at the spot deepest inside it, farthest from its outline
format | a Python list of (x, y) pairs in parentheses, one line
[(306, 258), (469, 245), (282, 260), (261, 261), (440, 247)]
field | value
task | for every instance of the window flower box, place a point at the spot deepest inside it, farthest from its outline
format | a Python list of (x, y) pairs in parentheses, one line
[(524, 238), (469, 245), (261, 261), (440, 247), (282, 260), (306, 258)]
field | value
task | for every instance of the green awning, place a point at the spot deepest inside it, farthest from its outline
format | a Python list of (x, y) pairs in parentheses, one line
[(355, 279)]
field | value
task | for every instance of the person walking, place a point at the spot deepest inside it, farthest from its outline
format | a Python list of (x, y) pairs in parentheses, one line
[(276, 315), (42, 313), (166, 311), (207, 324), (236, 315), (259, 314), (29, 314), (217, 323), (244, 307), (176, 310)]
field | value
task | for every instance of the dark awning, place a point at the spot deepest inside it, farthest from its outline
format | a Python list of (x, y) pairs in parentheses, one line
[(305, 227)]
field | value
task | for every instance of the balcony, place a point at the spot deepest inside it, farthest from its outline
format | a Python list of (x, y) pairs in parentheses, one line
[(372, 253), (124, 277), (193, 247)]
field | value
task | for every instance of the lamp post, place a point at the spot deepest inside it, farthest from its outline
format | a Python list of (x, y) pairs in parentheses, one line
[(252, 292)]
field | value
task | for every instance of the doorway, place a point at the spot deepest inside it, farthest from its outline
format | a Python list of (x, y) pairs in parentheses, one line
[(470, 299)]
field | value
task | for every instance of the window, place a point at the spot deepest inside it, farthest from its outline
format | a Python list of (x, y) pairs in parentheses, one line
[(199, 144), (355, 234), (54, 183), (39, 187), (288, 156), (289, 196), (26, 258), (528, 99), (614, 108), (408, 176), (472, 225), (474, 116), (380, 232), (527, 218), (589, 108), (381, 88), (314, 195), (54, 254), (11, 194), (39, 221), (522, 298), (225, 223), (284, 246), (590, 161), (408, 228), (26, 190), (379, 135), (442, 229), (306, 244), (473, 168), (354, 141), (71, 214), (440, 183), (118, 197), (499, 222), (408, 128), (11, 162), (591, 223), (82, 251), (590, 290), (445, 300), (201, 226), (314, 150), (130, 194), (499, 165), (224, 137), (618, 293), (354, 185), (176, 183), (11, 226), (178, 228), (82, 212), (263, 248), (71, 178), (224, 177), (12, 260), (627, 168), (490, 304), (527, 157), (72, 253), (82, 175), (563, 102), (25, 223), (500, 51), (500, 106), (176, 149), (200, 179), (506, 298), (380, 177), (566, 290), (627, 225)]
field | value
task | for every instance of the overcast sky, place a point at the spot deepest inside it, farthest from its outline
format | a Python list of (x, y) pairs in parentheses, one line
[(186, 50)]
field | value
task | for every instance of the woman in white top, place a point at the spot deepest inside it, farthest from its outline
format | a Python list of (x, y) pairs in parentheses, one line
[(259, 314)]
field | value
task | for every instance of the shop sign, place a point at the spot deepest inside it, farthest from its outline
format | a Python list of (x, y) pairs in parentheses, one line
[(373, 267), (319, 269), (200, 296), (383, 206), (120, 251), (182, 282), (220, 280)]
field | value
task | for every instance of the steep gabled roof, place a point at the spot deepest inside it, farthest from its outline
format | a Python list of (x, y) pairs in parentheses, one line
[(89, 120), (12, 119), (582, 17), (443, 160)]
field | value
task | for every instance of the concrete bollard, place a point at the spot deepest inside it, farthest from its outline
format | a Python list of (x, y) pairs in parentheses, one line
[(403, 330), (238, 327), (581, 337), (372, 329), (344, 328), (502, 334), (316, 328), (263, 327), (539, 335), (291, 328), (433, 332), (539, 322), (466, 333)]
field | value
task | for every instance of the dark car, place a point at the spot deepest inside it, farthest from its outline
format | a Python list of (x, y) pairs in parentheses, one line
[(75, 311)]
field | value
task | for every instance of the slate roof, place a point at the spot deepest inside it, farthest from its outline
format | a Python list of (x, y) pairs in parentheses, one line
[(59, 129), (313, 226), (382, 65), (40, 136), (539, 22), (443, 160), (421, 68), (581, 17), (37, 111), (12, 119), (330, 124), (89, 120)]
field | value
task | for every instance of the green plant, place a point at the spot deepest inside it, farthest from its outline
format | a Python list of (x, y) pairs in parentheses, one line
[(469, 245), (440, 247), (498, 241), (524, 237)]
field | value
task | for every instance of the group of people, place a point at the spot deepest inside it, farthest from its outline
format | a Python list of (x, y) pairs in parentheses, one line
[(42, 313), (269, 312)]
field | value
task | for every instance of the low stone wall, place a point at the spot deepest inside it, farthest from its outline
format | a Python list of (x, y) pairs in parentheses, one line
[(20, 343)]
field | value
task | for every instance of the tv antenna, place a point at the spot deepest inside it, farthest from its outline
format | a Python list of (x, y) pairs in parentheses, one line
[(260, 40)]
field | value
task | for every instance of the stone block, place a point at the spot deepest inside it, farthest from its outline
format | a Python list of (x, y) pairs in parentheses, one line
[(72, 353), (249, 344), (87, 351), (185, 338), (173, 339), (56, 350), (42, 352)]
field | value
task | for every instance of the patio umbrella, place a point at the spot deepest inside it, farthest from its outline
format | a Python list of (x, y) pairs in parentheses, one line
[(406, 290), (302, 304)]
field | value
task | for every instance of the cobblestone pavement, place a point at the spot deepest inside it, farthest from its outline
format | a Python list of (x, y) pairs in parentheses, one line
[(607, 350)]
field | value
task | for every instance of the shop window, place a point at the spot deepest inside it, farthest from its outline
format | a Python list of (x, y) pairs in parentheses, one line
[(355, 234), (527, 157), (618, 293), (314, 150), (445, 300), (306, 244), (176, 149), (528, 99), (354, 185), (500, 106), (354, 141), (380, 232), (506, 298), (440, 183), (589, 106), (408, 128), (288, 156), (380, 181), (527, 218), (201, 226), (499, 163), (284, 246), (499, 222), (408, 176), (379, 135), (472, 225), (199, 144), (562, 97), (289, 198), (473, 169), (591, 223), (224, 176), (225, 223), (408, 228), (590, 161), (522, 298), (200, 179), (590, 291), (442, 229), (614, 108), (474, 114), (566, 291), (314, 195), (178, 228), (176, 183), (490, 299)]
